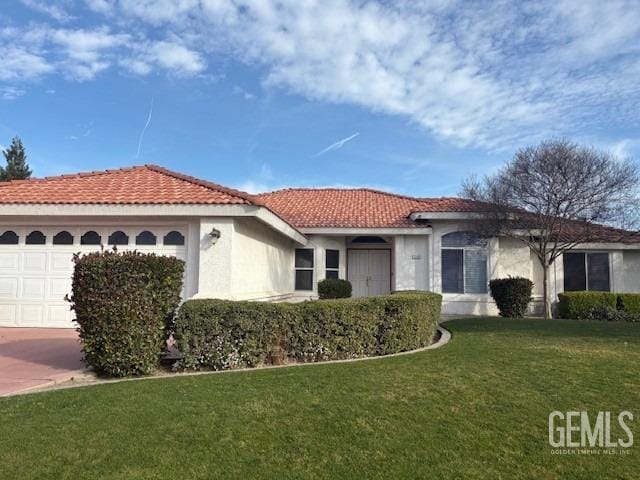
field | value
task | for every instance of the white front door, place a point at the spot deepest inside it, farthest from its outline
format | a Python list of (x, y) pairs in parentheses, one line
[(369, 272)]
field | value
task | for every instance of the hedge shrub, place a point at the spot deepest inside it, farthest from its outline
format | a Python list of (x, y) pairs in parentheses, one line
[(123, 304), (512, 295), (223, 334), (629, 303), (334, 288), (605, 306)]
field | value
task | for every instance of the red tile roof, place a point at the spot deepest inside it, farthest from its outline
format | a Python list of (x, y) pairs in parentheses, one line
[(356, 208), (148, 184)]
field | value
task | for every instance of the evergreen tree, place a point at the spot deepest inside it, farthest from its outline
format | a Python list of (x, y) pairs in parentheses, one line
[(17, 168)]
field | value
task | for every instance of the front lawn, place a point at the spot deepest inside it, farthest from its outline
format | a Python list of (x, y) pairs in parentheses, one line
[(476, 408)]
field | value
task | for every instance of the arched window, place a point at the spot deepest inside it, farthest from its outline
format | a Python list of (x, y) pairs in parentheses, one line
[(91, 238), (174, 238), (118, 238), (36, 238), (464, 263), (146, 238), (63, 238), (9, 238)]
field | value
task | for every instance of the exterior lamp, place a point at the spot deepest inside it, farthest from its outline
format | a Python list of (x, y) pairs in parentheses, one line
[(214, 234)]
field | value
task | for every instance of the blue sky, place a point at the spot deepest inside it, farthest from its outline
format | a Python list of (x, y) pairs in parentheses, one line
[(405, 96)]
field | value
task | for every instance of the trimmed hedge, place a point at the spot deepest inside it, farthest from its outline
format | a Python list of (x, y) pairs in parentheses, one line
[(512, 295), (334, 288), (605, 306), (578, 305), (222, 334), (124, 303), (630, 303)]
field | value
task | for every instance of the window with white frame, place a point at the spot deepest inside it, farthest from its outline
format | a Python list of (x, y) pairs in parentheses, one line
[(464, 263), (332, 263), (586, 271), (304, 268)]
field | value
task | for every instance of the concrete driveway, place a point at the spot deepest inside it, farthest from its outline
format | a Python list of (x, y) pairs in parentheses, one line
[(37, 357)]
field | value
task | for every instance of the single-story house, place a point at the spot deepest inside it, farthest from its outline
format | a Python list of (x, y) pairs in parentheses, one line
[(272, 247)]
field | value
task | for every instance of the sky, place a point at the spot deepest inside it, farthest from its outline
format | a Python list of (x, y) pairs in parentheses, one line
[(406, 96)]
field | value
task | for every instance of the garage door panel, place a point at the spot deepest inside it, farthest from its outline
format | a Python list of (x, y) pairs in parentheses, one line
[(9, 288), (34, 262), (9, 262), (33, 288), (8, 314), (59, 287), (59, 315), (31, 315), (61, 262)]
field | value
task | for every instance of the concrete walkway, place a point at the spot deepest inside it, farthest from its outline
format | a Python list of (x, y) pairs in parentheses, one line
[(37, 357)]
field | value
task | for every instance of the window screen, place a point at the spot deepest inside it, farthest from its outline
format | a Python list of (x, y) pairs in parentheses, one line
[(475, 271), (452, 271), (304, 269), (332, 263), (598, 271), (575, 274)]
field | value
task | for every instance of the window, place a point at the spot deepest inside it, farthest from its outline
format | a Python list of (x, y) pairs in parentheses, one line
[(173, 238), (118, 238), (332, 263), (36, 238), (304, 268), (464, 263), (146, 238), (63, 238), (91, 238), (9, 238), (586, 271)]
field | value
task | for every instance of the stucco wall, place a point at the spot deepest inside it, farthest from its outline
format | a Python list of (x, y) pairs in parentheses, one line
[(411, 262), (261, 261)]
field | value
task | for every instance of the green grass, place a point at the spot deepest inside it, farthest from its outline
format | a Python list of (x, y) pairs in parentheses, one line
[(477, 408)]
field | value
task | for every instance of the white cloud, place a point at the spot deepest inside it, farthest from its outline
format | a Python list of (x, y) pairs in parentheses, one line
[(54, 11), (11, 93), (493, 75), (18, 63)]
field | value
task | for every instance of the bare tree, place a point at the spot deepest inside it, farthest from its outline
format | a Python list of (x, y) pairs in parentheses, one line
[(555, 196)]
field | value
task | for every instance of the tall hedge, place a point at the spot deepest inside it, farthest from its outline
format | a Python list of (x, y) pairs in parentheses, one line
[(512, 295), (123, 302), (222, 334)]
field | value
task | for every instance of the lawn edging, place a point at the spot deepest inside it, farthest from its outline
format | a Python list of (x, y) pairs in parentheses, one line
[(445, 338)]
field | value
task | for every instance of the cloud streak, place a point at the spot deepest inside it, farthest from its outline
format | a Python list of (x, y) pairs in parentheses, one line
[(337, 145), (144, 129)]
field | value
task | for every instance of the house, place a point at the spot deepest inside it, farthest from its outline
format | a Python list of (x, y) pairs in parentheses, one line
[(273, 247)]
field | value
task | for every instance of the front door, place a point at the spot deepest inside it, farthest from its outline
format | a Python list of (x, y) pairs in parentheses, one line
[(369, 272)]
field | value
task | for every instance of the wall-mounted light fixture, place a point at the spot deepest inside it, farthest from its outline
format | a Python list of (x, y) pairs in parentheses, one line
[(214, 234)]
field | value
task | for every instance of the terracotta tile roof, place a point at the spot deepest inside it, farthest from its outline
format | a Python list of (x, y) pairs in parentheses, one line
[(148, 184), (356, 208)]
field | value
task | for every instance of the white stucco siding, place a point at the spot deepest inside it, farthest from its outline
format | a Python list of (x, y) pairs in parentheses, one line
[(261, 261), (411, 262)]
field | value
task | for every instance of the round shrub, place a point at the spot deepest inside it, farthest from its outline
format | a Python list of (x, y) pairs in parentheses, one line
[(123, 304), (334, 288), (512, 295)]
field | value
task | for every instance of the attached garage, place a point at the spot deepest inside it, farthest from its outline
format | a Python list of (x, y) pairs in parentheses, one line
[(36, 265)]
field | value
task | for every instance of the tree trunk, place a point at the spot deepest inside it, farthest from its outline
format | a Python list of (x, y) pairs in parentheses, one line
[(545, 290)]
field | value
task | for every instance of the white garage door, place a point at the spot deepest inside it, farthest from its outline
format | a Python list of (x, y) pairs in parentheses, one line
[(36, 266)]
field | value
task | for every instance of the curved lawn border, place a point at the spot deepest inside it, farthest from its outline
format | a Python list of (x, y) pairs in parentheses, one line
[(445, 337)]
